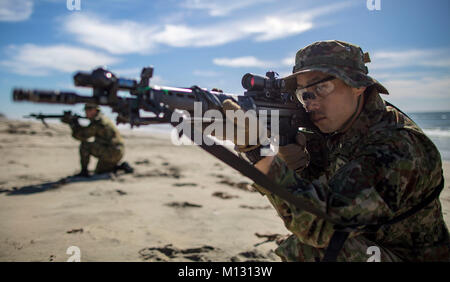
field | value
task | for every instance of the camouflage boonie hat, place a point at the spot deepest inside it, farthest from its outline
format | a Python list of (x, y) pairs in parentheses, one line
[(337, 58), (91, 106)]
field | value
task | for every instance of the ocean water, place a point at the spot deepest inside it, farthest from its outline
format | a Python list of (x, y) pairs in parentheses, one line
[(436, 126)]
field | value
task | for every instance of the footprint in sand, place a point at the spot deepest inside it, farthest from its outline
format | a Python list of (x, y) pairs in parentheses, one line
[(184, 184), (142, 162), (171, 172), (183, 205), (240, 185), (171, 253), (255, 207), (224, 195), (108, 193), (254, 256), (79, 230)]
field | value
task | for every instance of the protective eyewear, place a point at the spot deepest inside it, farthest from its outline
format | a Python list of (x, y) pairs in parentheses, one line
[(321, 88)]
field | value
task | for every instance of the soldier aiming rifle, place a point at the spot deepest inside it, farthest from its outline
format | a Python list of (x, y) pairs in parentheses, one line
[(108, 145), (43, 117)]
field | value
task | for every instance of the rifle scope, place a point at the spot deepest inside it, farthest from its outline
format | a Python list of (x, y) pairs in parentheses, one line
[(253, 82), (101, 78)]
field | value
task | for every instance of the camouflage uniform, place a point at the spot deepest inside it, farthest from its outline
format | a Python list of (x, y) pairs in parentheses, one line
[(381, 167), (108, 145)]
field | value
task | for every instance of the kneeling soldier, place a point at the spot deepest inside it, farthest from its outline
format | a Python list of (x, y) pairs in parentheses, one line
[(108, 145)]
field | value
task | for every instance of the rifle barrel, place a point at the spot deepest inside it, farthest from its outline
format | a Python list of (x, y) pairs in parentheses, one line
[(51, 97)]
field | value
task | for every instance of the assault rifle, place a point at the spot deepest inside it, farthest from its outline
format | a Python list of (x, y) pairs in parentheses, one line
[(262, 93), (42, 117)]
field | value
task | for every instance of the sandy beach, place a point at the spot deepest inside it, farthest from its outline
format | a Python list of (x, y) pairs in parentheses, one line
[(180, 204)]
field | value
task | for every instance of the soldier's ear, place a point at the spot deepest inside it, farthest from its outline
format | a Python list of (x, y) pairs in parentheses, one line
[(358, 91)]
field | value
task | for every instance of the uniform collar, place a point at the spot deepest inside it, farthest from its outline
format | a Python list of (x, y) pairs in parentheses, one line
[(372, 112)]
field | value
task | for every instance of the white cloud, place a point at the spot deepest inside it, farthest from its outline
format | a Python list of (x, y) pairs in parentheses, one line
[(398, 75), (410, 58), (288, 61), (288, 22), (30, 59), (185, 36), (15, 10), (275, 27), (219, 7), (419, 95), (420, 87), (117, 37), (407, 76), (123, 37), (248, 61), (157, 80)]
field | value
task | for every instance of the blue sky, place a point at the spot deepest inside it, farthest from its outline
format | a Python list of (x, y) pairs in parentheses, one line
[(213, 43)]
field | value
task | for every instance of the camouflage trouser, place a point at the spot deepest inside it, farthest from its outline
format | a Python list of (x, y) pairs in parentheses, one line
[(355, 250), (108, 156)]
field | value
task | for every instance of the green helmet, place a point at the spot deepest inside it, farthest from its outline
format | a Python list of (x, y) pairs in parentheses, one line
[(337, 58)]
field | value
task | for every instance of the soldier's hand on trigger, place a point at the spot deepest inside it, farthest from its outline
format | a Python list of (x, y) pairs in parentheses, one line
[(295, 155), (67, 118)]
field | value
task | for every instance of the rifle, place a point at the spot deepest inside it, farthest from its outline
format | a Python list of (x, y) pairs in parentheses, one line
[(42, 117), (262, 93)]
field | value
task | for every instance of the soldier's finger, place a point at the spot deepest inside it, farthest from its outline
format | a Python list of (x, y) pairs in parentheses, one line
[(229, 104), (301, 140)]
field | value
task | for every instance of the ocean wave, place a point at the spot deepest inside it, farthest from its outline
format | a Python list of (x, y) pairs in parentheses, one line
[(437, 132)]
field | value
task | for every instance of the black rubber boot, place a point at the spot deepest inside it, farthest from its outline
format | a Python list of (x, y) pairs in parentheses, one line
[(126, 167), (83, 173)]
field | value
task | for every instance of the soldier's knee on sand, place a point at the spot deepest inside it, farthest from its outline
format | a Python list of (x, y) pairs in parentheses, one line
[(107, 153), (109, 158), (103, 167)]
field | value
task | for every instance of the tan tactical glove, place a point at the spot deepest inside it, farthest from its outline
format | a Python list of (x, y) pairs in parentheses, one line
[(245, 138), (295, 155), (242, 145)]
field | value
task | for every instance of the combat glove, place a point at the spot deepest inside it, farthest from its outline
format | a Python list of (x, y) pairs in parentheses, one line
[(295, 155)]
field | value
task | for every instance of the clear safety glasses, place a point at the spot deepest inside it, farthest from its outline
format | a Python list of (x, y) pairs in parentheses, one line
[(321, 89)]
